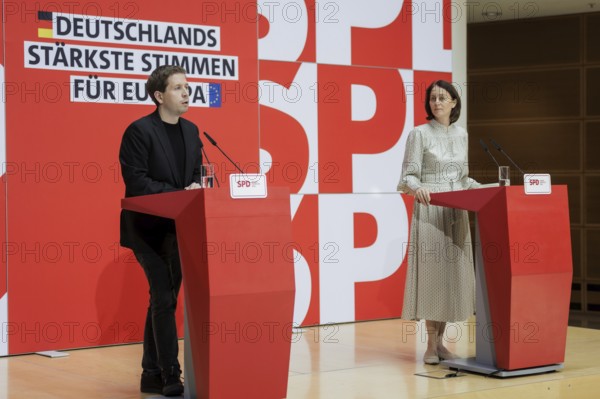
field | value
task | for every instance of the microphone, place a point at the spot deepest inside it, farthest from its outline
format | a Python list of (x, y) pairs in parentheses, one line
[(506, 155), (208, 161), (213, 142), (487, 150)]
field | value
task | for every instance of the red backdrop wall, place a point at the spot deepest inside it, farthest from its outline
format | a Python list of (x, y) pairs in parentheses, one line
[(322, 100)]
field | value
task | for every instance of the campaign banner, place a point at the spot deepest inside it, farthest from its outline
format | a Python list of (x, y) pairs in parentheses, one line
[(75, 80)]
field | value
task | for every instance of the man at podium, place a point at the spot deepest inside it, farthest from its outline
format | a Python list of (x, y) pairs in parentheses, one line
[(160, 152)]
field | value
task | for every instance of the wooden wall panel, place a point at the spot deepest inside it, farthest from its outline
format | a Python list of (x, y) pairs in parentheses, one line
[(592, 239), (536, 147), (532, 94), (592, 146), (592, 199), (592, 37), (593, 297), (576, 300), (534, 86), (521, 43), (593, 94), (574, 190), (576, 244)]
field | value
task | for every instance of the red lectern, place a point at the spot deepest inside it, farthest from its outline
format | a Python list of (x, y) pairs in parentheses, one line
[(524, 271), (238, 277)]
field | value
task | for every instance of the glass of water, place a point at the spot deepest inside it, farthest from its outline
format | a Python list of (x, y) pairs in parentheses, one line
[(207, 176), (504, 175)]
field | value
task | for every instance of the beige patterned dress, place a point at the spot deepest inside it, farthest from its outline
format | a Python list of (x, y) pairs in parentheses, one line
[(440, 280)]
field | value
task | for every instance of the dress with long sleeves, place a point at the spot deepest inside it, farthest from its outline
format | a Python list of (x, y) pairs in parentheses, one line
[(440, 280)]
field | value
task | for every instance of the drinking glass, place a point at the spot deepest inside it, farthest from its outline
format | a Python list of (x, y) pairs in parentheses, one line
[(504, 175)]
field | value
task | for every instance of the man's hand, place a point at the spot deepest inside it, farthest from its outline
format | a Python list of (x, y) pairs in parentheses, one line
[(422, 196), (193, 186)]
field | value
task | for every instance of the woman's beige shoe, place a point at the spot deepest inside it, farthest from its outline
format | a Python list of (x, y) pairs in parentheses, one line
[(431, 357), (445, 354)]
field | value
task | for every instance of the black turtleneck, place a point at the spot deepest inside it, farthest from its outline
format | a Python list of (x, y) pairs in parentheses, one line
[(176, 138)]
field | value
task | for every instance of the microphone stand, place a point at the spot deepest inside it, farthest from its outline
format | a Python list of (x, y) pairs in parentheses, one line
[(213, 142), (486, 149), (506, 155)]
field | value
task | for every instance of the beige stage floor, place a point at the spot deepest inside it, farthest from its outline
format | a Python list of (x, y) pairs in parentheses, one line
[(363, 361)]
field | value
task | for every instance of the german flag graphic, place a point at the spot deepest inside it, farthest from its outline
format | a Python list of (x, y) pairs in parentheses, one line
[(45, 29)]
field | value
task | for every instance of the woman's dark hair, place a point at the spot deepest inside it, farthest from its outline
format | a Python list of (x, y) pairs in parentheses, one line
[(159, 78), (455, 113)]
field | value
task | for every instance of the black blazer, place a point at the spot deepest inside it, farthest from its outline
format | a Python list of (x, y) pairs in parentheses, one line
[(148, 166)]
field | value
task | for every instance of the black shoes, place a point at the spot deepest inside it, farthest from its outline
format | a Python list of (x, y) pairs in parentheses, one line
[(151, 383), (167, 384), (171, 382)]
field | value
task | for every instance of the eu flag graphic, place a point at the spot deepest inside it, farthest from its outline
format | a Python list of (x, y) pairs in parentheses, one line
[(214, 95)]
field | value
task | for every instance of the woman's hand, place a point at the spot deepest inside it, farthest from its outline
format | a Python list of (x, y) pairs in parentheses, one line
[(422, 196)]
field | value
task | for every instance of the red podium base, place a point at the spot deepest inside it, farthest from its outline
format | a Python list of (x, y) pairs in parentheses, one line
[(238, 277), (524, 272)]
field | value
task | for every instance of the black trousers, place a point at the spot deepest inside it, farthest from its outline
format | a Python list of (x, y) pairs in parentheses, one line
[(159, 258)]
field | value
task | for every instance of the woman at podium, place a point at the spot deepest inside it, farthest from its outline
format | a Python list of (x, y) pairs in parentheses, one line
[(440, 280)]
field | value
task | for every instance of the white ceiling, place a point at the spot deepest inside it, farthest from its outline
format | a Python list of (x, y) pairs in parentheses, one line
[(475, 10)]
